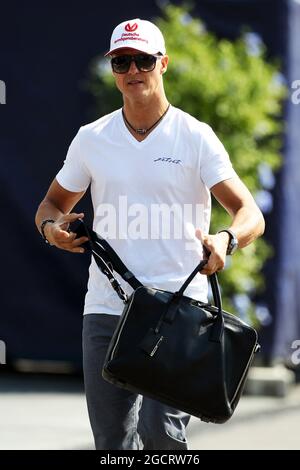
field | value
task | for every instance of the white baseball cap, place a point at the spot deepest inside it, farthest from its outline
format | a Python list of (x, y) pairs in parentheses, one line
[(137, 34)]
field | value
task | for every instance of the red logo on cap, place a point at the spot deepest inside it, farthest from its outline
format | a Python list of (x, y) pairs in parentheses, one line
[(132, 27)]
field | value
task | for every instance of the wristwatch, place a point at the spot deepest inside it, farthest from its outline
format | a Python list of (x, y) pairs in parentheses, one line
[(233, 243)]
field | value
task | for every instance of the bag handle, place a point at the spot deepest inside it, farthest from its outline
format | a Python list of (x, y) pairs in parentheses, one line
[(213, 280), (217, 330)]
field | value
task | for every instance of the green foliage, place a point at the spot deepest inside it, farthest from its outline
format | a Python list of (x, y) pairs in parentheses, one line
[(237, 92)]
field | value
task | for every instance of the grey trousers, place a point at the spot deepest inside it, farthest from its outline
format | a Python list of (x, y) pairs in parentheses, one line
[(122, 420)]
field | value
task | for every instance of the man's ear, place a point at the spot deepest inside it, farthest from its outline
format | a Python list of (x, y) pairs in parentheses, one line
[(164, 64)]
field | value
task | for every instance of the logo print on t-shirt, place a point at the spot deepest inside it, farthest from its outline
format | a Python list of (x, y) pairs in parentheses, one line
[(131, 27), (167, 159)]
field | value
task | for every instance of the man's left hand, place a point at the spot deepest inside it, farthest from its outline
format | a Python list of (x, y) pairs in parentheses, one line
[(216, 245)]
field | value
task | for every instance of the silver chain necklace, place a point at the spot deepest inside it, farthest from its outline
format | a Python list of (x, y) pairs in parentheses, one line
[(144, 131)]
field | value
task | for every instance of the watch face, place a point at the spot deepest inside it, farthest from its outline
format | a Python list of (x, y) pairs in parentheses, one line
[(233, 243), (233, 247)]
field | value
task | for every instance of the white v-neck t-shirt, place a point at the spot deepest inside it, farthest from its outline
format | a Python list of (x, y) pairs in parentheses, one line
[(148, 199)]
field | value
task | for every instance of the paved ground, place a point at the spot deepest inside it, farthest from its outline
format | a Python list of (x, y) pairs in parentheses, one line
[(49, 412)]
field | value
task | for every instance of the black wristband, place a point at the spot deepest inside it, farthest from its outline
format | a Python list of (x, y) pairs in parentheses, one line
[(42, 228)]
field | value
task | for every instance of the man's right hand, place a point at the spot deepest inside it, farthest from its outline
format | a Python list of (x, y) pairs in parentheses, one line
[(57, 234)]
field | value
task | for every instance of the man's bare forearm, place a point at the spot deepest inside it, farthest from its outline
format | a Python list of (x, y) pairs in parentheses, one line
[(47, 210), (57, 203), (248, 224), (247, 221)]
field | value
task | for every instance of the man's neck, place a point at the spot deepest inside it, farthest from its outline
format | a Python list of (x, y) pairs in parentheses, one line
[(144, 113)]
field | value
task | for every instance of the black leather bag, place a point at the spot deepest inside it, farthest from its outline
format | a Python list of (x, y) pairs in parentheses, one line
[(185, 353)]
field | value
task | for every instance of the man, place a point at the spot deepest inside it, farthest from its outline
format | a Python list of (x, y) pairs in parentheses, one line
[(147, 154)]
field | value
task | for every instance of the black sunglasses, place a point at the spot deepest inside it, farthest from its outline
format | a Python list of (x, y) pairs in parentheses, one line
[(144, 62)]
